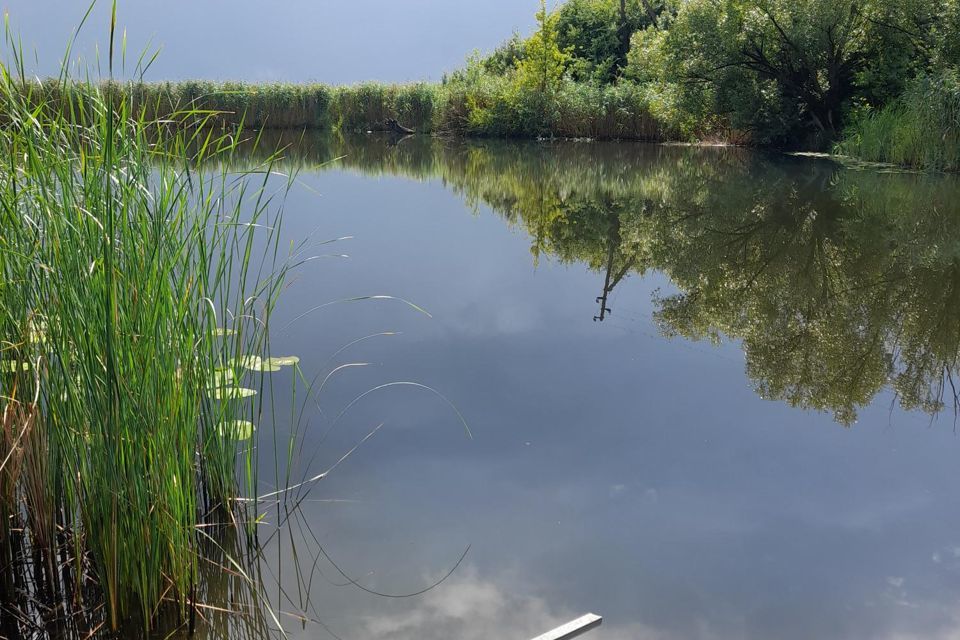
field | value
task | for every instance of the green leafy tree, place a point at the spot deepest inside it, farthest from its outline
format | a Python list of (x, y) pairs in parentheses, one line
[(505, 58), (947, 35), (597, 35), (544, 62), (539, 77), (789, 71)]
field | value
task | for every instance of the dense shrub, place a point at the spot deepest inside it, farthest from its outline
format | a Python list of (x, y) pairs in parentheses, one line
[(613, 112)]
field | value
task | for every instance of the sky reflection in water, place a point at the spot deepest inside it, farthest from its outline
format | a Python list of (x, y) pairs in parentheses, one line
[(613, 469)]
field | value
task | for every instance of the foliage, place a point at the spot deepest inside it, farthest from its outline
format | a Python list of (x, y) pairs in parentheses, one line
[(945, 34), (647, 67), (367, 106), (782, 73), (484, 105), (790, 71), (921, 128), (505, 57), (540, 73), (270, 106), (540, 99), (591, 30), (130, 281)]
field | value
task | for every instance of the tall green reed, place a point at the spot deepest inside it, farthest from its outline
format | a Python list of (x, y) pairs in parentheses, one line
[(138, 279), (921, 128)]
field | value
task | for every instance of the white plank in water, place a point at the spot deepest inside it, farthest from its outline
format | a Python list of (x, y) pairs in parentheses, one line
[(573, 629)]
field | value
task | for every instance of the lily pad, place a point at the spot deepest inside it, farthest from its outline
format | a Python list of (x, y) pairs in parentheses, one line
[(236, 429), (223, 376), (284, 361), (255, 363), (232, 393)]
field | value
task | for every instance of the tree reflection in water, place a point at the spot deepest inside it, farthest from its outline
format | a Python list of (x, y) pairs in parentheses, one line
[(839, 282)]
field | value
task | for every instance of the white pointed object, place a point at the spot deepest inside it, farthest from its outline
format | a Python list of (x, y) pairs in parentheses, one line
[(573, 629)]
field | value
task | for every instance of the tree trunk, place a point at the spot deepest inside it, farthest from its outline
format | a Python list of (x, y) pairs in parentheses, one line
[(651, 14), (623, 33)]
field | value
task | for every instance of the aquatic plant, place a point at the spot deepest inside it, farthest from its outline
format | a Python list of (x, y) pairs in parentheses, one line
[(138, 281), (920, 129), (367, 106)]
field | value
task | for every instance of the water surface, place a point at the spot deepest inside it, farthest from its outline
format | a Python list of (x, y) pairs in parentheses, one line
[(711, 393)]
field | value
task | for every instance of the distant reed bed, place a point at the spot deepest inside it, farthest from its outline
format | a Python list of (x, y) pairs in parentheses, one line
[(233, 105), (483, 109)]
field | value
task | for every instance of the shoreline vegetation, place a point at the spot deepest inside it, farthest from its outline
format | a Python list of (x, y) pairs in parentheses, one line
[(138, 282), (603, 113), (140, 267), (876, 80)]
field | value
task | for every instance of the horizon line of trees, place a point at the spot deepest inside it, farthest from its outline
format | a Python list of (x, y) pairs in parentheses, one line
[(784, 73)]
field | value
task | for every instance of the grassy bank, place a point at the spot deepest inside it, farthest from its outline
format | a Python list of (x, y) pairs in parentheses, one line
[(135, 301), (919, 129)]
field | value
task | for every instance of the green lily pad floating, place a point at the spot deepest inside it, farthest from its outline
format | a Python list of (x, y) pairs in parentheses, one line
[(236, 429), (13, 366), (284, 361), (255, 363), (222, 377), (232, 393), (246, 362)]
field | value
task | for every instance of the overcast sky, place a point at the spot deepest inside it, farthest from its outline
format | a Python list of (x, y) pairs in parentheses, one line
[(335, 41)]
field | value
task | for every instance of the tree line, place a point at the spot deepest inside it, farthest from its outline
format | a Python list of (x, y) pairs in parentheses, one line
[(786, 73)]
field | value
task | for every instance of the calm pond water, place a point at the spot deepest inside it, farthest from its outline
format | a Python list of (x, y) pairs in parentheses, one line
[(711, 394)]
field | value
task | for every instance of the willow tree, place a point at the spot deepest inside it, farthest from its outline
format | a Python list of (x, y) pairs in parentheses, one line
[(789, 71)]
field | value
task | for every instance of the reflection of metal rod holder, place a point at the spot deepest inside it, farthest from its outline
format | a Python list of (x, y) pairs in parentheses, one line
[(610, 278), (604, 312), (573, 629)]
